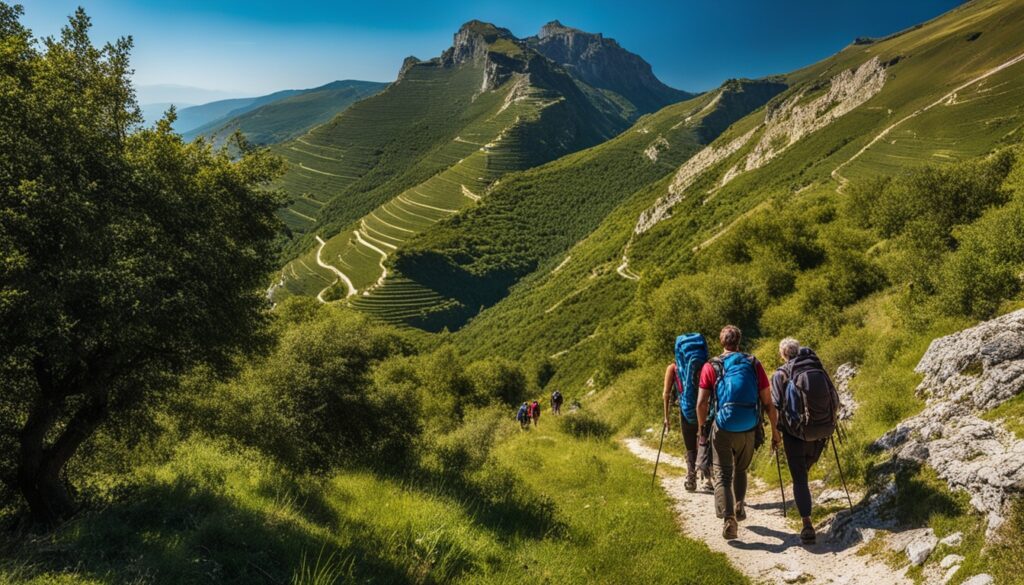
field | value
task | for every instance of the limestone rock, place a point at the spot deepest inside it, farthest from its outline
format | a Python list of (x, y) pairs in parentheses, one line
[(950, 573), (953, 540), (847, 405), (965, 374), (950, 560), (982, 579), (919, 550)]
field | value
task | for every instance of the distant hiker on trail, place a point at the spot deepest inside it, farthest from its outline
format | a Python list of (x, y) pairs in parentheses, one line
[(535, 412), (808, 402), (737, 384), (523, 416), (691, 353), (556, 402)]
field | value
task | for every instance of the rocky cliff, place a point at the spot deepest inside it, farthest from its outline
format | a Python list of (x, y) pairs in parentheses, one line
[(603, 63)]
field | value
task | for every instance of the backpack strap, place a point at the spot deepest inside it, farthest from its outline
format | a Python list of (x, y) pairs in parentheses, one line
[(719, 367)]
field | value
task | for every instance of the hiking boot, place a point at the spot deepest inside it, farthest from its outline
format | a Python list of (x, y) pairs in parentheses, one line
[(709, 486), (690, 484), (741, 511), (807, 535), (731, 529)]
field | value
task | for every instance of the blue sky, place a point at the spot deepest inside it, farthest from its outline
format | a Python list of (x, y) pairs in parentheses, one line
[(251, 47)]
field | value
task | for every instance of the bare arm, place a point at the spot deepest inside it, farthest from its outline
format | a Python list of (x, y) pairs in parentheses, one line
[(703, 405), (773, 414), (666, 394)]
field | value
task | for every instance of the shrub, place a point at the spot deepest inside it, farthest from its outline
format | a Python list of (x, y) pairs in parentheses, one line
[(585, 425), (497, 378)]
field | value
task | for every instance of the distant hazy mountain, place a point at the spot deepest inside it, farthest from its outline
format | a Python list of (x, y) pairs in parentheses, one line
[(181, 94), (276, 117), (190, 118)]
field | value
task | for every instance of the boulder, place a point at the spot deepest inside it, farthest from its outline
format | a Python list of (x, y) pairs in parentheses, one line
[(919, 550), (982, 579)]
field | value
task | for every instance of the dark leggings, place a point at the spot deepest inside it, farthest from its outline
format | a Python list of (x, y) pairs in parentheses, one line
[(690, 440), (800, 456)]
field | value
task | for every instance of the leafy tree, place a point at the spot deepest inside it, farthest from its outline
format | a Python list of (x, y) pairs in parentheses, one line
[(129, 257)]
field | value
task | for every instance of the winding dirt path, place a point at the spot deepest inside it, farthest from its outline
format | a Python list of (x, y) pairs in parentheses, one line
[(768, 549), (341, 275)]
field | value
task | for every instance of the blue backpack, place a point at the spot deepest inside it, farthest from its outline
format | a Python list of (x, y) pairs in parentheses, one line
[(691, 353), (736, 393)]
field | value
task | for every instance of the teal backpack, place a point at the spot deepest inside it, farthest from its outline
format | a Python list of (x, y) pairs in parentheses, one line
[(691, 353), (736, 393)]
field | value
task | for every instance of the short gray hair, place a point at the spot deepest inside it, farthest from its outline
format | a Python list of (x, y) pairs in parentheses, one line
[(789, 348)]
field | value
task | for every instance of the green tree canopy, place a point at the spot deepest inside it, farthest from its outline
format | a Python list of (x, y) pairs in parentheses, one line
[(126, 256)]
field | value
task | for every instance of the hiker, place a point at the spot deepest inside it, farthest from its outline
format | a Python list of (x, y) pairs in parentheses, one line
[(738, 384), (556, 402), (535, 412), (808, 403), (691, 352), (523, 416)]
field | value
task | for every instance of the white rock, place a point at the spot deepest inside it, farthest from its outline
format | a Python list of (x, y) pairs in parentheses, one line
[(964, 375), (955, 539), (982, 579), (919, 550), (950, 560), (949, 574), (792, 576)]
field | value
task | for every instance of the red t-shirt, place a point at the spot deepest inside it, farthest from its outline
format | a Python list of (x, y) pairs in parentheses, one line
[(708, 377)]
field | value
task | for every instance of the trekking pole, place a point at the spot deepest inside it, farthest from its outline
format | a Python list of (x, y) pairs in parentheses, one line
[(782, 488), (841, 477), (658, 458)]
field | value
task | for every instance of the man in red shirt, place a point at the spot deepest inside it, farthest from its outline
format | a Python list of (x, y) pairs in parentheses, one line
[(744, 384)]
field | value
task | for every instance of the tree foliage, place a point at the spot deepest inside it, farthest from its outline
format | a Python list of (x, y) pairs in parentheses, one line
[(128, 257)]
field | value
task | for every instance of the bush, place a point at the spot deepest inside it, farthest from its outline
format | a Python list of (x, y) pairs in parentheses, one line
[(497, 378), (585, 425), (314, 403)]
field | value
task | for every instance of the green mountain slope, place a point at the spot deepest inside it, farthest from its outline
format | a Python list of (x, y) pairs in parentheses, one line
[(472, 259), (424, 149), (193, 117), (948, 90), (284, 115)]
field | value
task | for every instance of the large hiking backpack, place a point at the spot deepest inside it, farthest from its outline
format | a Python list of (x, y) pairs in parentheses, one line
[(691, 352), (736, 393), (809, 400), (523, 413), (556, 397)]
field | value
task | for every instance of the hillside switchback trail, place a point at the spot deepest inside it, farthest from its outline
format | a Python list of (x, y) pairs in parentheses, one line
[(768, 549)]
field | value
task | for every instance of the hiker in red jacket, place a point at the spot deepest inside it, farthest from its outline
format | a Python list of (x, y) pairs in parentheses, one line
[(535, 412), (739, 383)]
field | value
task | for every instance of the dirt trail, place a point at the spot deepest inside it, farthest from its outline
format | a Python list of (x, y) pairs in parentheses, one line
[(767, 550), (341, 275)]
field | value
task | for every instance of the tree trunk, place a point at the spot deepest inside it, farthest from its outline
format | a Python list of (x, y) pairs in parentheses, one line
[(40, 466)]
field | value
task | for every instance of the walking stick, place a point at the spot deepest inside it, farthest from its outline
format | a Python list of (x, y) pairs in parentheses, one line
[(658, 458), (841, 477), (782, 488)]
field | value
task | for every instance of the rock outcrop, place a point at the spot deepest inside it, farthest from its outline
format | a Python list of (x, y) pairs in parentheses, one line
[(966, 374), (603, 63)]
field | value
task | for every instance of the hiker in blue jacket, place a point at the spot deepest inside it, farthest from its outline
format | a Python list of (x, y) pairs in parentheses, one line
[(523, 416)]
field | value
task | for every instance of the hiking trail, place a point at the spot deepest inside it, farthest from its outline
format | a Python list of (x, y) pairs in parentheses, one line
[(341, 275), (768, 549)]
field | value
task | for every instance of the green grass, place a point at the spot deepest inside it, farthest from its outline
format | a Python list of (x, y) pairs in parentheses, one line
[(553, 508)]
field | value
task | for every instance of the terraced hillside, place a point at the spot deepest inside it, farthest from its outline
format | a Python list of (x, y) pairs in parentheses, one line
[(948, 90), (429, 146), (471, 260), (286, 115)]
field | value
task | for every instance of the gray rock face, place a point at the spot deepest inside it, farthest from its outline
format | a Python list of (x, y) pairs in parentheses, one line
[(847, 405), (966, 374)]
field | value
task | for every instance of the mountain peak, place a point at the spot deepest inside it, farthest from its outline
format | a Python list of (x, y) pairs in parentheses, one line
[(603, 63)]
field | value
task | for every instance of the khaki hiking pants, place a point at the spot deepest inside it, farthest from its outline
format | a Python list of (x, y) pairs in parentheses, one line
[(732, 453)]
